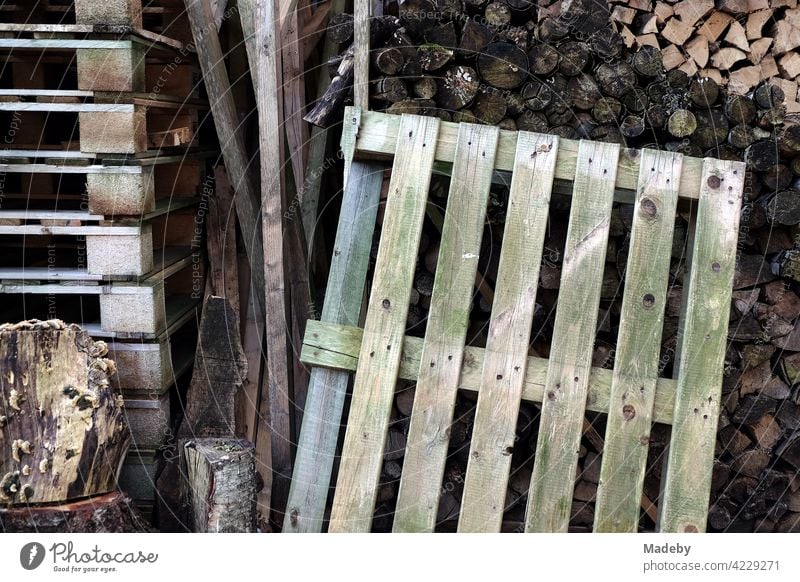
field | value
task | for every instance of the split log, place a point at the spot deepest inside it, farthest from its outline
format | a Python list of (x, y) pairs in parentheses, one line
[(221, 484)]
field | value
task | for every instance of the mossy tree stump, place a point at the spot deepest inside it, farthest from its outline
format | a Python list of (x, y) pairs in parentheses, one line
[(63, 434)]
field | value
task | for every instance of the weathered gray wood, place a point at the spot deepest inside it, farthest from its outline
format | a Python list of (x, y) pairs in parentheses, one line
[(504, 363), (327, 388), (373, 390), (684, 502), (318, 142), (215, 77), (377, 137), (221, 482), (362, 13), (338, 347), (636, 368), (561, 422), (448, 319)]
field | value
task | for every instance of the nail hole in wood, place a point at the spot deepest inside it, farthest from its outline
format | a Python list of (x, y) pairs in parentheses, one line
[(648, 301), (628, 412), (386, 303), (715, 266)]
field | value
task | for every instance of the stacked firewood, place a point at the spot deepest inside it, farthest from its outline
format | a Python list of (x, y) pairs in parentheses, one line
[(735, 42)]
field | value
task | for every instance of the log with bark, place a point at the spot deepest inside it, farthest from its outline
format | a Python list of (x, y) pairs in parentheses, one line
[(63, 433)]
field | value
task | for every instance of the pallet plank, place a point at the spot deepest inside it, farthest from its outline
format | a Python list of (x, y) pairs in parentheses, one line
[(377, 136), (448, 319), (687, 484), (561, 422), (636, 366), (327, 388), (362, 453), (504, 362)]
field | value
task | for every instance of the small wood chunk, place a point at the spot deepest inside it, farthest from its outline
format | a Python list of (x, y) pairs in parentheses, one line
[(690, 11), (737, 37), (755, 23), (672, 57), (221, 482), (725, 58), (758, 49), (503, 65), (663, 12), (715, 25), (648, 40), (766, 432), (648, 24), (677, 32), (733, 6), (697, 49), (474, 38), (457, 88), (789, 451), (682, 123), (789, 66), (769, 67), (743, 80), (786, 32), (497, 14), (623, 14)]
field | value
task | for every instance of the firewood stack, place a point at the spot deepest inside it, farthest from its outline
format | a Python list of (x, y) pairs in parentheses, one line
[(691, 76)]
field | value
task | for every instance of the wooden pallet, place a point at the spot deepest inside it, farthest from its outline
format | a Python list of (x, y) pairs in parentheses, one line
[(502, 373), (157, 17), (77, 246), (105, 62), (142, 308), (118, 124), (128, 186)]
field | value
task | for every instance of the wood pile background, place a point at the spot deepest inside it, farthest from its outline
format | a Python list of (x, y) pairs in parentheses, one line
[(696, 77)]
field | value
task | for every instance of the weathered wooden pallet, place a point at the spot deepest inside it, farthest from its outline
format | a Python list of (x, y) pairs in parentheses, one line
[(109, 186), (143, 308), (566, 385), (111, 125), (106, 250), (156, 19), (113, 61)]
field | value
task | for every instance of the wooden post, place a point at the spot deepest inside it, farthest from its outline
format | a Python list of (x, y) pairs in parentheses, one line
[(265, 58), (223, 109), (326, 392), (362, 10)]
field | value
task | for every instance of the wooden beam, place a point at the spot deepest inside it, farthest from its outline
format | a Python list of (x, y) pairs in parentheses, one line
[(344, 294), (338, 346), (266, 66), (377, 139), (637, 357), (226, 120), (373, 391), (566, 388), (426, 452), (513, 308), (703, 337)]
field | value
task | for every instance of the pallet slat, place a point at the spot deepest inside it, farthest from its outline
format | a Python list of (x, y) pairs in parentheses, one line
[(636, 368), (338, 347), (703, 331), (362, 453), (561, 422), (378, 133), (505, 360), (448, 319), (327, 387)]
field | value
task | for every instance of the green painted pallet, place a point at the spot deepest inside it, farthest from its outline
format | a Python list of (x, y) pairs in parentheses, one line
[(503, 374)]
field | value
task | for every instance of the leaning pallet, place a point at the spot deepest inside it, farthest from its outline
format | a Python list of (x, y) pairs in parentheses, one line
[(503, 374)]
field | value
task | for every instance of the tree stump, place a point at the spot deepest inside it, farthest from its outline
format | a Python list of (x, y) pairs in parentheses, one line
[(63, 433)]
